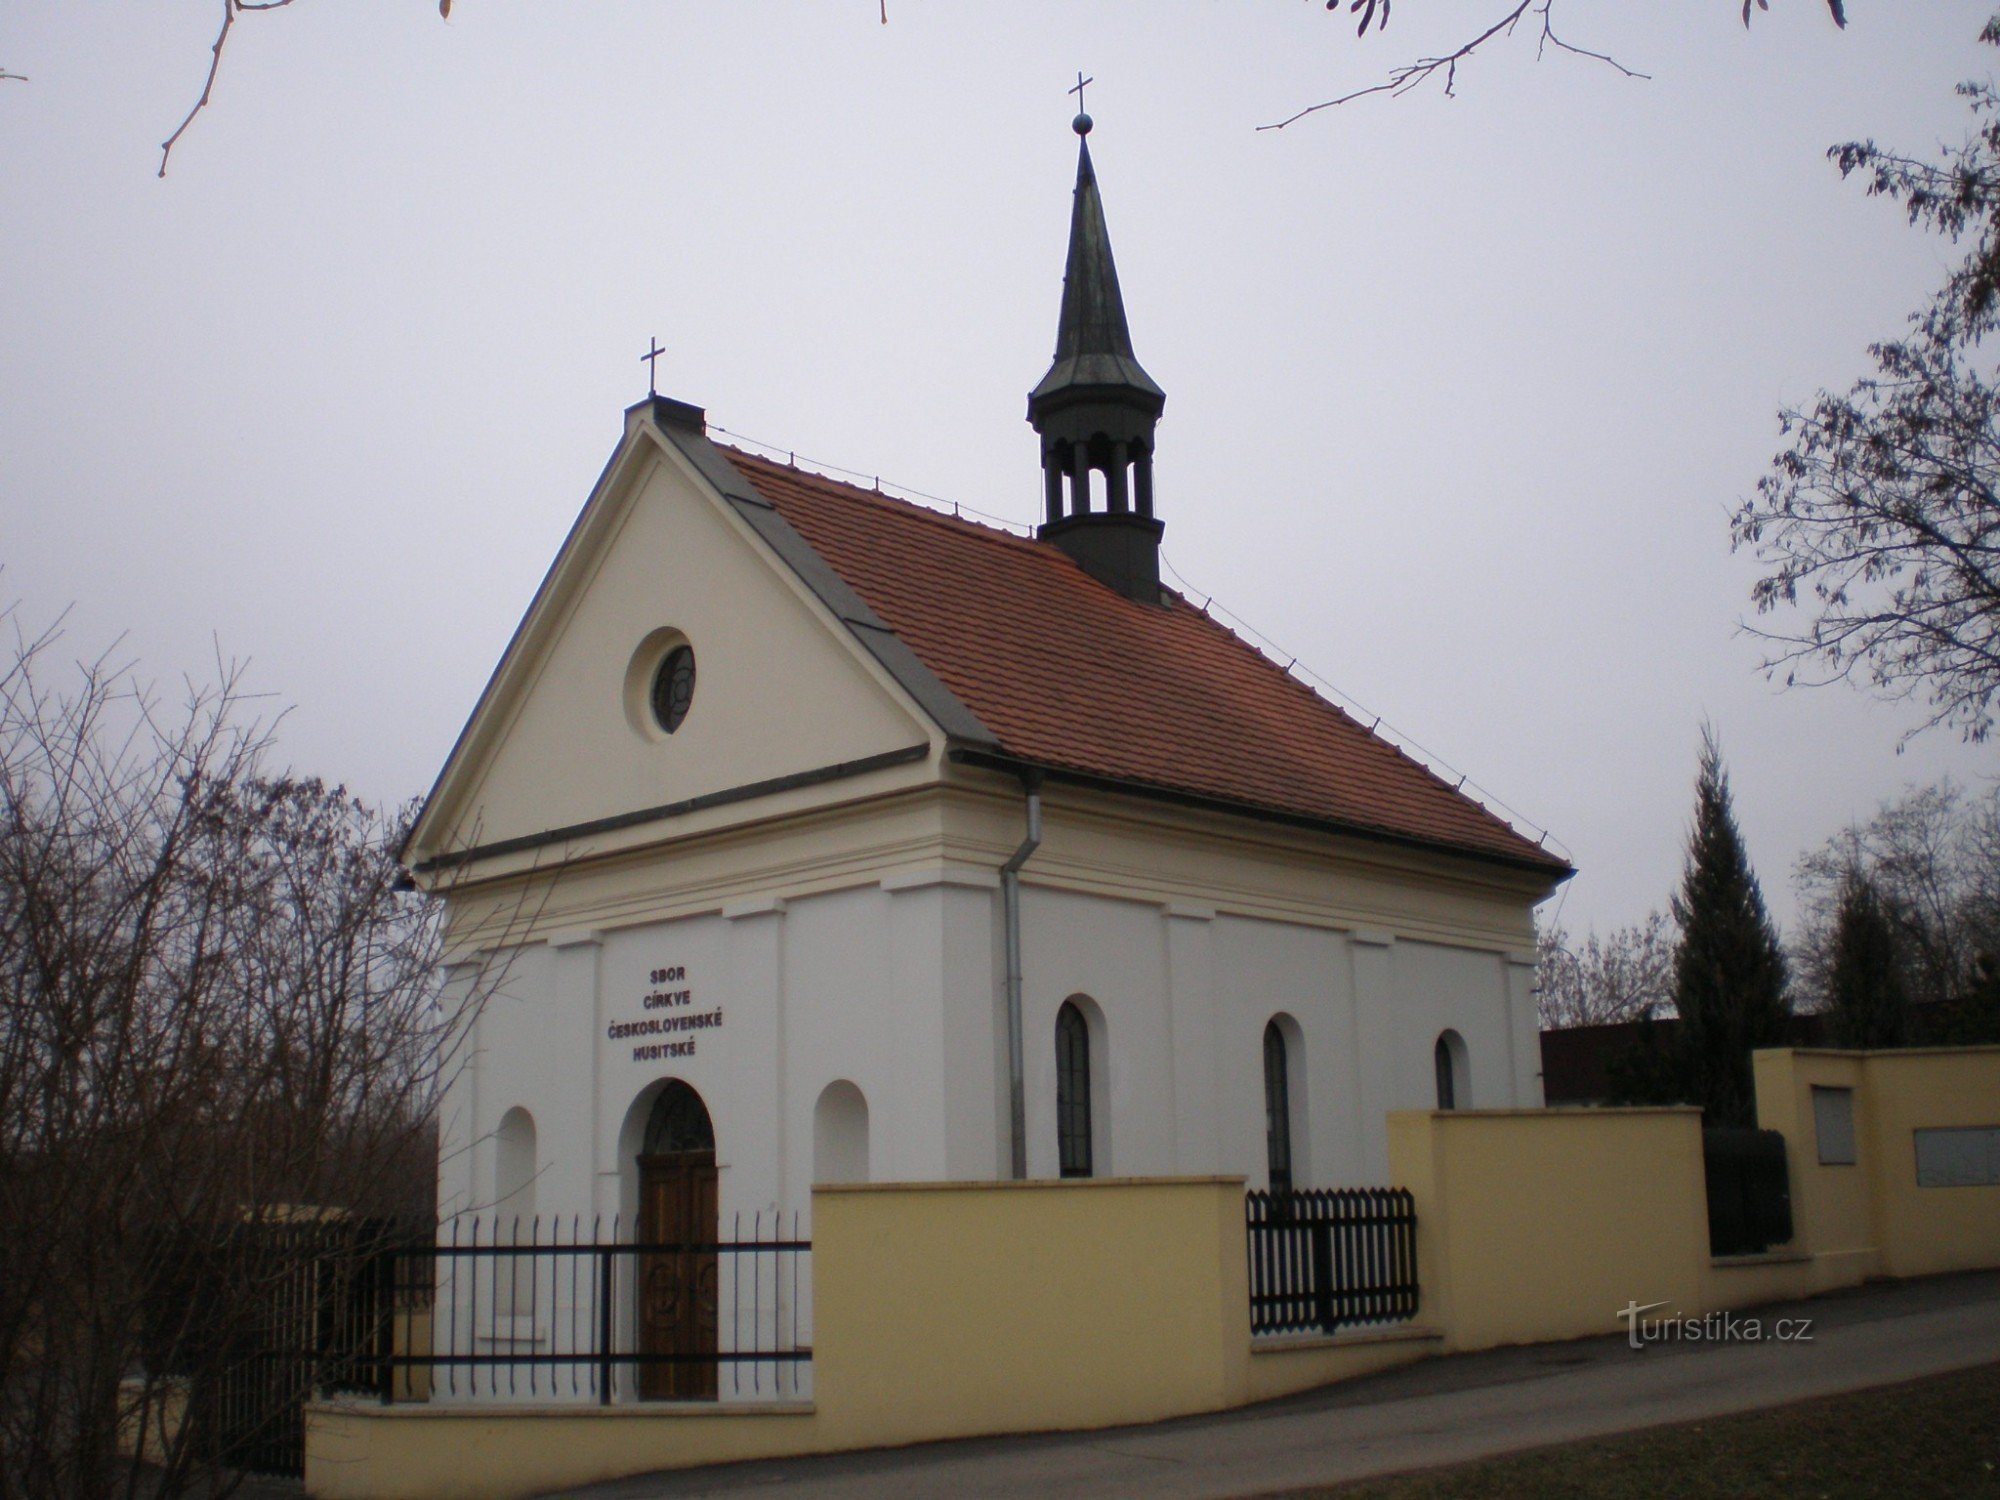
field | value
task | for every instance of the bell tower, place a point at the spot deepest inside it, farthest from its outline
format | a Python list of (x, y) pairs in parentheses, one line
[(1095, 411)]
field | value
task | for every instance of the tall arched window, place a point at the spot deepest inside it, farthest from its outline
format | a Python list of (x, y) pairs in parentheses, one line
[(1073, 1124), (1454, 1084), (1277, 1108)]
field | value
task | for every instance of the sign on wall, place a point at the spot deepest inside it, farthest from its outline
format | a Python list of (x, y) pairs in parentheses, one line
[(668, 1014), (1959, 1158)]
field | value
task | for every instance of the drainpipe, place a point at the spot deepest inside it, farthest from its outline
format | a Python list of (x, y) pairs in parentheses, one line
[(1010, 901)]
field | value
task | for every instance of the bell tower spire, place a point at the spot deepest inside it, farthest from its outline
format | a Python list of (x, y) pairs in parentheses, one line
[(1096, 410)]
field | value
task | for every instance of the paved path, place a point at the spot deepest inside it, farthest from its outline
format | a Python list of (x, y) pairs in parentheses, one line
[(1437, 1412)]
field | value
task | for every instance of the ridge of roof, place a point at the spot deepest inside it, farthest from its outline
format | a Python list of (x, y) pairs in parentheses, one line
[(901, 506)]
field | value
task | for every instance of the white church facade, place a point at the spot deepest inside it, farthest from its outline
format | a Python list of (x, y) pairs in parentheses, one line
[(804, 834)]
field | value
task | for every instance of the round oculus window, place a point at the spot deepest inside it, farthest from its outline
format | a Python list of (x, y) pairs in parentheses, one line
[(673, 688)]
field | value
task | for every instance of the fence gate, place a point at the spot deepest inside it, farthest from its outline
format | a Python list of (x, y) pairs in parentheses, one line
[(1328, 1258), (1749, 1191)]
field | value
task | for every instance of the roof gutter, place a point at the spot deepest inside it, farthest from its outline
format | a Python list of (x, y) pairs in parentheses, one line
[(1010, 903)]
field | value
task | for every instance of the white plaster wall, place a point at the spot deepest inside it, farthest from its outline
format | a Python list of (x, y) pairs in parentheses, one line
[(1116, 953), (856, 963), (897, 989), (1185, 996), (849, 985), (972, 971), (1438, 987), (517, 1061), (459, 1101), (1266, 968)]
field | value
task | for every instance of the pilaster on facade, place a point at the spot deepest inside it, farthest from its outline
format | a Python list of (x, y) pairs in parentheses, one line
[(1372, 953), (948, 1030), (579, 993), (457, 1111), (974, 1008), (1524, 1030), (754, 1007), (1192, 1022)]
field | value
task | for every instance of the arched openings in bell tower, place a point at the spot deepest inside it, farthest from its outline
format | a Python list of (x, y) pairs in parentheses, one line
[(1126, 485)]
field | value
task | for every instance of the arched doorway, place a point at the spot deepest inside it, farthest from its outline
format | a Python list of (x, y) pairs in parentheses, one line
[(677, 1284)]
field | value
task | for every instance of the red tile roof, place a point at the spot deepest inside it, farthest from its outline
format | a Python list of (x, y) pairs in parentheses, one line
[(1071, 675)]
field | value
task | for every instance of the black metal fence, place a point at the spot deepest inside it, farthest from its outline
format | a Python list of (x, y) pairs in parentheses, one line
[(256, 1320), (1329, 1258), (1749, 1191), (252, 1320), (529, 1310)]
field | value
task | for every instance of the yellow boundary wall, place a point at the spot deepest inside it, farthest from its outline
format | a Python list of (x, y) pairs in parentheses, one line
[(941, 1310), (1536, 1225), (948, 1310), (1872, 1218)]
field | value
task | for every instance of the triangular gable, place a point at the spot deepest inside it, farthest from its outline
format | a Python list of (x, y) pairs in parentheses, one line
[(788, 689)]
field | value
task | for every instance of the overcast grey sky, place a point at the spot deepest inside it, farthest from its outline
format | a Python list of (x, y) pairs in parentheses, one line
[(1460, 392)]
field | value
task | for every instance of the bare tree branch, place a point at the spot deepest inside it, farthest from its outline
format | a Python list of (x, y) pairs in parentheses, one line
[(1880, 521), (1627, 976), (1410, 75), (1932, 857), (230, 10)]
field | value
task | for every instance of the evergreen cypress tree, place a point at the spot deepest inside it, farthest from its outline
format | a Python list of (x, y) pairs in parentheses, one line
[(1729, 976), (1869, 1000)]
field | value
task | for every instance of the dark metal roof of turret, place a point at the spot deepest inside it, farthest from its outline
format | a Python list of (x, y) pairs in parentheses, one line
[(1093, 344)]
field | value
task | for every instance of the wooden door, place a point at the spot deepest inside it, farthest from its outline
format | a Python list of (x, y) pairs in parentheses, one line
[(677, 1288)]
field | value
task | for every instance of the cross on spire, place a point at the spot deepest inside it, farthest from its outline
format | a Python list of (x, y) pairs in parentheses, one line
[(651, 360), (1078, 90)]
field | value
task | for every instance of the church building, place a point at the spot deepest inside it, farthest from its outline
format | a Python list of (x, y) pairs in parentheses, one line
[(805, 834)]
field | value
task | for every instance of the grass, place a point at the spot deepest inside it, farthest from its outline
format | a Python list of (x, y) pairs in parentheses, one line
[(1934, 1437)]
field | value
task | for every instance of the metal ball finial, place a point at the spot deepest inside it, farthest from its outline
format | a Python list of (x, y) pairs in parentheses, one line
[(1081, 124)]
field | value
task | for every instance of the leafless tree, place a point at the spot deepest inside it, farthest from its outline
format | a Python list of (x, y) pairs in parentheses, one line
[(1626, 976), (1880, 521), (217, 1010), (1932, 859)]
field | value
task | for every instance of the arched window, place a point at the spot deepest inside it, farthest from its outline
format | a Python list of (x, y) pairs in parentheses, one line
[(840, 1134), (1454, 1084), (678, 1124), (1277, 1108), (1073, 1125)]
